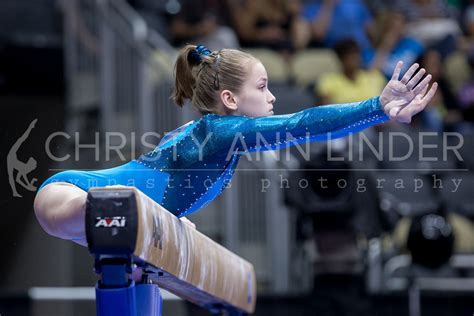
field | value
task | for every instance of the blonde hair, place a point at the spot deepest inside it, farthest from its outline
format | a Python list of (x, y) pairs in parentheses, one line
[(200, 77)]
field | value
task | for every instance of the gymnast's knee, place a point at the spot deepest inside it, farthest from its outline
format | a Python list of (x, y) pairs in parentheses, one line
[(56, 209), (44, 213)]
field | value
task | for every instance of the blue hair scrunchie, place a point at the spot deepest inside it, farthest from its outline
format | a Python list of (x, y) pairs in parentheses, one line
[(203, 50), (195, 55)]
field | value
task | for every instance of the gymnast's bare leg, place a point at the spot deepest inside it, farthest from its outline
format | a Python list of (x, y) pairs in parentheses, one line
[(60, 209)]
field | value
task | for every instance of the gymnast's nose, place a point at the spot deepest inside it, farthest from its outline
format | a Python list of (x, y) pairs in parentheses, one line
[(271, 98)]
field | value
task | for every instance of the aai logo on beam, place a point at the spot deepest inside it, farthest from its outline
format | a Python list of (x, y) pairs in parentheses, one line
[(116, 221)]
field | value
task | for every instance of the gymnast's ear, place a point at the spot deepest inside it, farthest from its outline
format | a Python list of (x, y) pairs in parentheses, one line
[(229, 100)]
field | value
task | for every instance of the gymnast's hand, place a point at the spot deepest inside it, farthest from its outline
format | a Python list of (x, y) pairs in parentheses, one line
[(402, 99)]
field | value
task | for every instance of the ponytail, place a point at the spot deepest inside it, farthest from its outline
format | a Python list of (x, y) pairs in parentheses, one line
[(184, 79)]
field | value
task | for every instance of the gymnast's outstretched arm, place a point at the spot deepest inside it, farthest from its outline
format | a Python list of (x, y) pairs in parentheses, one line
[(278, 131), (400, 100)]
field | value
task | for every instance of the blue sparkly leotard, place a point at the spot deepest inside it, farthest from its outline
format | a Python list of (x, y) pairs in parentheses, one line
[(192, 165)]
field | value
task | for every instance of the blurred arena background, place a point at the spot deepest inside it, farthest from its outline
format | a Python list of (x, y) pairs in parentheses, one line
[(100, 72)]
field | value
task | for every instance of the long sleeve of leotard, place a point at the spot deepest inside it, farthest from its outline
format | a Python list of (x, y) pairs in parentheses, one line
[(246, 134), (214, 139)]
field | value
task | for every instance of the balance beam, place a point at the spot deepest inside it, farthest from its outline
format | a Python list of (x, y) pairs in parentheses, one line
[(124, 222)]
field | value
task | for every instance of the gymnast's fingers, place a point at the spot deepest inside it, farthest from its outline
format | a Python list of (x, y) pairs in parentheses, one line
[(429, 96), (396, 71), (417, 106), (409, 73), (416, 78), (423, 92), (422, 85), (394, 104), (394, 112)]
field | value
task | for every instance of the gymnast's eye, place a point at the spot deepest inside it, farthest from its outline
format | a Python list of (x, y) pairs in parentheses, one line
[(263, 87)]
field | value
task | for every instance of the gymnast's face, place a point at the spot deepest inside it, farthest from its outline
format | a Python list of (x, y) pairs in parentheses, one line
[(254, 98)]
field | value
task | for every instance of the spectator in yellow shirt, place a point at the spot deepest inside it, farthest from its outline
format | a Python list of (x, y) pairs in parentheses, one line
[(352, 83)]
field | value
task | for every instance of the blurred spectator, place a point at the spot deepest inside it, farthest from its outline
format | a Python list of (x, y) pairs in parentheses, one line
[(444, 108), (432, 22), (467, 42), (202, 21), (392, 45), (275, 24), (334, 20), (466, 94), (377, 7), (353, 83)]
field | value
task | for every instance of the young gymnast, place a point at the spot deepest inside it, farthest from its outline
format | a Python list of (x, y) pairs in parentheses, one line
[(194, 163)]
